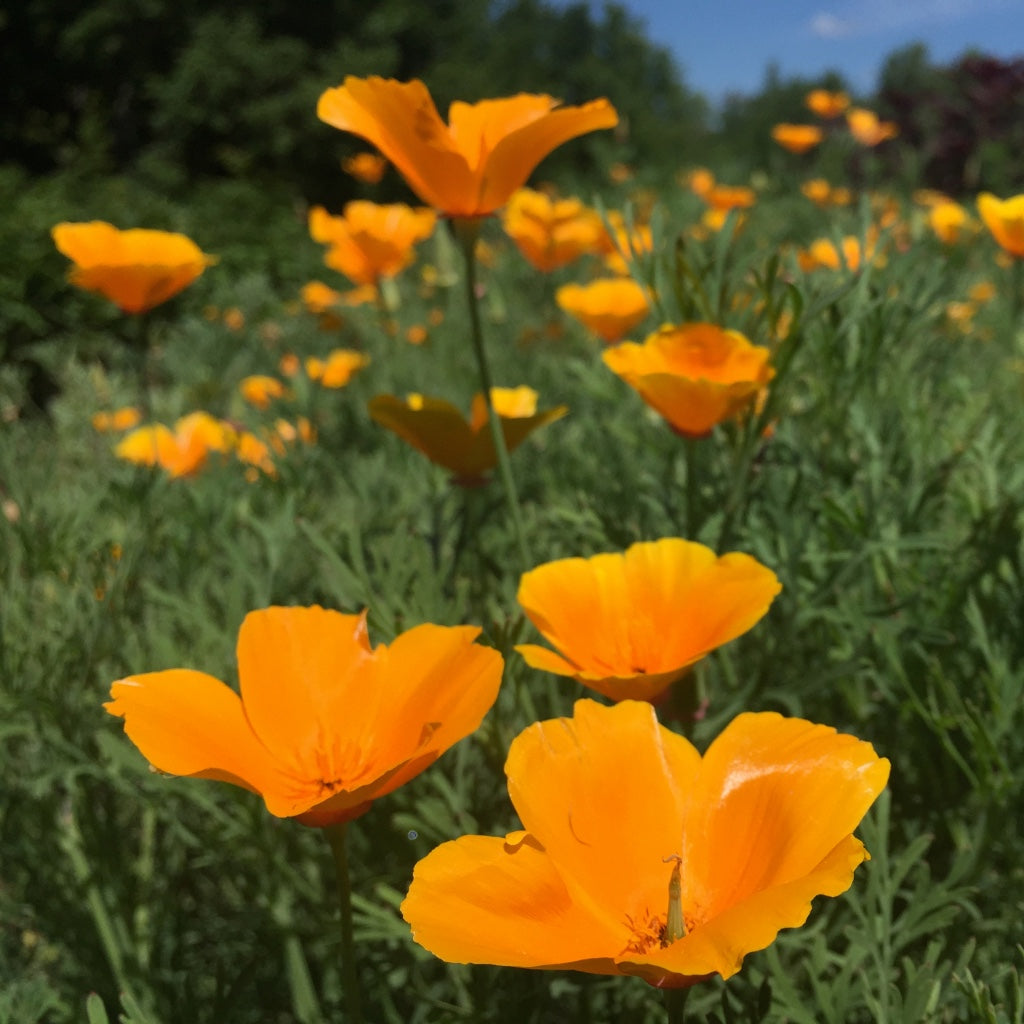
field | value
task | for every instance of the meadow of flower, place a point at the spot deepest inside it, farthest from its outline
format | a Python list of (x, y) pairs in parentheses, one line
[(521, 604)]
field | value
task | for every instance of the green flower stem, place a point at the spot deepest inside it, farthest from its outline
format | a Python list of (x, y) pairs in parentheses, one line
[(467, 231), (1016, 295), (336, 835), (692, 445), (675, 1004)]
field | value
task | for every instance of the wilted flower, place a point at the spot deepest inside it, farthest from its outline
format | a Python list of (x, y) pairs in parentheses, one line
[(324, 723), (1005, 220), (340, 366), (551, 232), (260, 390), (136, 269), (610, 307), (370, 241), (797, 138), (366, 167), (825, 103), (629, 625), (695, 375), (867, 129), (640, 857), (472, 165), (464, 447)]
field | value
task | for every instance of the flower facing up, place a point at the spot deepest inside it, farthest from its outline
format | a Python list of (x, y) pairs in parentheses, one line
[(696, 375), (464, 447), (370, 241), (638, 856), (470, 166), (1005, 220), (797, 138), (136, 269), (551, 233), (610, 307), (826, 104), (324, 723), (867, 129), (629, 625)]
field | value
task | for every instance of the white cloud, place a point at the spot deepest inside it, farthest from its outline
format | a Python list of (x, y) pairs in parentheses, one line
[(867, 17), (829, 26)]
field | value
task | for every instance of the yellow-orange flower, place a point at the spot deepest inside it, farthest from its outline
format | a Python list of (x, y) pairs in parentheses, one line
[(551, 232), (324, 724), (370, 241), (366, 167), (640, 857), (179, 452), (318, 297), (825, 103), (695, 375), (949, 221), (1005, 220), (823, 253), (116, 420), (340, 366), (700, 181), (818, 190), (260, 390), (136, 269), (464, 447), (797, 138), (610, 307), (470, 166), (730, 197), (867, 129), (623, 243), (629, 625)]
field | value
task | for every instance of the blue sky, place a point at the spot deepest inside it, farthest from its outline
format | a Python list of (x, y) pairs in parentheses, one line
[(726, 45)]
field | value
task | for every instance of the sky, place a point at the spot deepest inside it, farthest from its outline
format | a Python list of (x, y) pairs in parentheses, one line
[(725, 46)]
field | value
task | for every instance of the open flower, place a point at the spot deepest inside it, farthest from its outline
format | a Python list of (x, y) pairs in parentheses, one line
[(1005, 220), (629, 625), (695, 375), (949, 221), (825, 103), (824, 254), (260, 389), (610, 307), (340, 366), (640, 857), (324, 724), (464, 447), (182, 451), (370, 241), (551, 232), (136, 269), (797, 138), (867, 129), (470, 166)]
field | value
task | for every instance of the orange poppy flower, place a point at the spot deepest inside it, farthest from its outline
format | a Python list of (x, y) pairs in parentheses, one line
[(949, 221), (368, 168), (324, 723), (472, 165), (116, 420), (797, 138), (260, 390), (340, 366), (609, 799), (825, 103), (179, 452), (1005, 220), (370, 241), (318, 297), (610, 307), (464, 447), (695, 375), (629, 625), (818, 190), (823, 253), (551, 232), (867, 129), (623, 243), (136, 269), (730, 197), (700, 181)]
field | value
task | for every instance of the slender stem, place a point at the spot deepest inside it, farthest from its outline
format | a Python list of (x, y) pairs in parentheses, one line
[(336, 835), (467, 231), (1016, 295), (675, 1004), (692, 485)]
